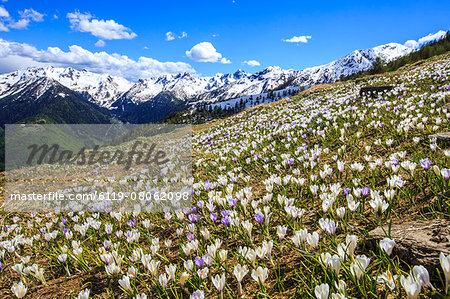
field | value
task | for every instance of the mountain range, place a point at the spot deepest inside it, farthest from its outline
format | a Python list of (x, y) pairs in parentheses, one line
[(50, 94)]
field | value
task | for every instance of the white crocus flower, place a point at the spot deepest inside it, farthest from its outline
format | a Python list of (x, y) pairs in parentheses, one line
[(84, 294), (313, 240), (260, 274), (19, 290), (322, 291), (445, 264), (281, 231), (387, 245), (240, 272), (411, 286), (358, 267), (379, 205), (125, 283), (219, 282), (388, 279), (421, 273)]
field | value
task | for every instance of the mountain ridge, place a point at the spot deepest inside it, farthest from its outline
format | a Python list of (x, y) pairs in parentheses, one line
[(175, 92)]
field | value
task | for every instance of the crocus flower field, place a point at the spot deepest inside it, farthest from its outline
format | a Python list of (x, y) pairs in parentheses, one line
[(284, 198)]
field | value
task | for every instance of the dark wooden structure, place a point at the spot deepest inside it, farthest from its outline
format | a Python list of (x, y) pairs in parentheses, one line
[(373, 89)]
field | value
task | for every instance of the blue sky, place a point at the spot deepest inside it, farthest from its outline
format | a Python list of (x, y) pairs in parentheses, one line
[(205, 37)]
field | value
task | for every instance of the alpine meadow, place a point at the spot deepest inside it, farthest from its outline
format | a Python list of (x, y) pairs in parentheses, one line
[(287, 160)]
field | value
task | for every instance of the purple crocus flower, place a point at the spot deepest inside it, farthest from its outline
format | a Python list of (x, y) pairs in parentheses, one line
[(445, 173), (426, 164), (198, 294), (346, 191), (199, 261), (65, 231), (200, 204), (290, 162), (131, 222), (194, 210), (365, 191), (64, 221), (213, 217), (190, 236), (207, 185), (106, 244), (226, 221), (225, 213), (259, 218), (193, 218), (232, 202), (1, 268)]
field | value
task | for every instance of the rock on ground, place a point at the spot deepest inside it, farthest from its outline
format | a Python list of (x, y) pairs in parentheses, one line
[(418, 242), (442, 137)]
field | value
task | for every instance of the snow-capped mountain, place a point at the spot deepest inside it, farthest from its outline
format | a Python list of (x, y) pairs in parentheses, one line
[(152, 99), (102, 89), (245, 84), (357, 61), (44, 100)]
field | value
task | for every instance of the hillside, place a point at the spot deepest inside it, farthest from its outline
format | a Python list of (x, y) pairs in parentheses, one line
[(286, 197)]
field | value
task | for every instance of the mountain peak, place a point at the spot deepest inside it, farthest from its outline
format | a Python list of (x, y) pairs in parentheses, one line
[(239, 74)]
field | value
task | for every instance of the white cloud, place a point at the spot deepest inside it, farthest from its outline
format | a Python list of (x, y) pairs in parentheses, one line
[(26, 17), (104, 29), (4, 15), (298, 39), (31, 14), (205, 52), (3, 27), (430, 37), (100, 43), (3, 12), (55, 17), (251, 62), (171, 36), (20, 24), (15, 55), (412, 44)]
